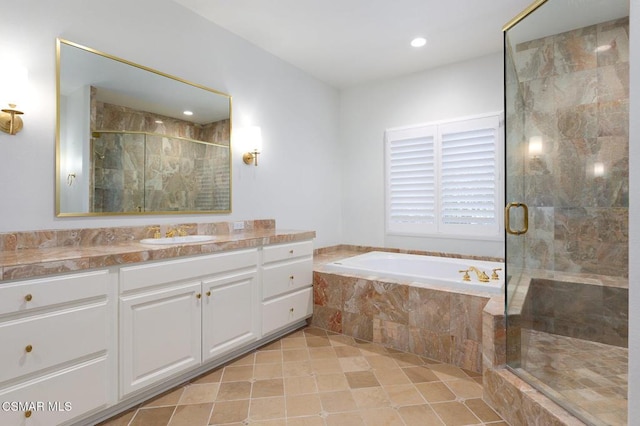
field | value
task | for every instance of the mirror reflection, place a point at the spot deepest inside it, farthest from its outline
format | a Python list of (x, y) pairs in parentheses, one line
[(132, 140)]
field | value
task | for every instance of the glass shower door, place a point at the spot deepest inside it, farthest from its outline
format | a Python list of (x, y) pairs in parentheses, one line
[(566, 111)]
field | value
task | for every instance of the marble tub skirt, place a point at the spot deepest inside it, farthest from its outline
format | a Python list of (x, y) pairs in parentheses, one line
[(431, 319)]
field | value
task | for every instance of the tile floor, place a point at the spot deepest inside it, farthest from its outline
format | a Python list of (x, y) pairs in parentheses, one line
[(312, 377), (589, 376)]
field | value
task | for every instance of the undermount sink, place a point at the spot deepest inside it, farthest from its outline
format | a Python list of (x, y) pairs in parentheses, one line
[(178, 240)]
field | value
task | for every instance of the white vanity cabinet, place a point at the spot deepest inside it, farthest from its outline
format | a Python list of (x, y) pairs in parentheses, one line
[(176, 314), (57, 353), (82, 346), (287, 285)]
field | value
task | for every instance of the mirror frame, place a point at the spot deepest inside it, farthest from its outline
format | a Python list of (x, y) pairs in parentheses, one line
[(58, 183)]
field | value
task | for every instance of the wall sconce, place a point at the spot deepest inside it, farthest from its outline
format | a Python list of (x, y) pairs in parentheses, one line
[(535, 146), (249, 139), (13, 86), (598, 169)]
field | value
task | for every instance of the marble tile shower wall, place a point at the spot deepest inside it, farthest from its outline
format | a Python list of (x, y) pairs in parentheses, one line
[(158, 173), (106, 116), (441, 325), (118, 172), (574, 93)]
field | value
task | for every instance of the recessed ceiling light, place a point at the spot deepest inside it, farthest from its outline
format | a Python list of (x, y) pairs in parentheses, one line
[(158, 121), (603, 48), (418, 42), (187, 112)]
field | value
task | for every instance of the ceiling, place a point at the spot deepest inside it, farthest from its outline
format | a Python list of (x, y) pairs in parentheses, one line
[(350, 42)]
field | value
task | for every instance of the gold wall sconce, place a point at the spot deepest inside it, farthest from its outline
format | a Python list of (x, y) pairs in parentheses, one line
[(13, 85), (251, 157), (250, 139)]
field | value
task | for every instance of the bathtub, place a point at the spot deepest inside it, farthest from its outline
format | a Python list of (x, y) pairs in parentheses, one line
[(418, 269)]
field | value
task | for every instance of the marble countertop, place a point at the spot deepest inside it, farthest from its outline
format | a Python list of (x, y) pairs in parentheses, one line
[(36, 262)]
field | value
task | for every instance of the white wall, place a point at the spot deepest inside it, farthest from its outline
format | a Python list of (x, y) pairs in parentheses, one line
[(458, 90), (297, 182), (634, 217)]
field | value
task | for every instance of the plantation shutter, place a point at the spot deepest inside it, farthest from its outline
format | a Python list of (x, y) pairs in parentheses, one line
[(443, 179), (411, 174), (468, 189)]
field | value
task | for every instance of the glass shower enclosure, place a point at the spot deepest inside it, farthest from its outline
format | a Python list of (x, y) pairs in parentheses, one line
[(567, 139)]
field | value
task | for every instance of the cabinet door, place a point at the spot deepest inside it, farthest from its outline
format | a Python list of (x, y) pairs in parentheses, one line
[(229, 312), (160, 334)]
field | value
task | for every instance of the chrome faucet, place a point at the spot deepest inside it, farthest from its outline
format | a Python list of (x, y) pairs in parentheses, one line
[(482, 276)]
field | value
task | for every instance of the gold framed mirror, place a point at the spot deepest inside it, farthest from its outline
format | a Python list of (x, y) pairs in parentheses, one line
[(132, 140)]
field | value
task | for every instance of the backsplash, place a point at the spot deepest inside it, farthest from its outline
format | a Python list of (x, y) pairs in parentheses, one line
[(86, 237)]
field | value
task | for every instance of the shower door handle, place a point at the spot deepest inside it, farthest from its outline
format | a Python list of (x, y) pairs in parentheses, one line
[(526, 219)]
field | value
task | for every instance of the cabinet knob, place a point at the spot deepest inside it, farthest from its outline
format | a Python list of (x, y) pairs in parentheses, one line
[(291, 251), (28, 297), (208, 294), (291, 277), (198, 296), (27, 414), (28, 348), (291, 310)]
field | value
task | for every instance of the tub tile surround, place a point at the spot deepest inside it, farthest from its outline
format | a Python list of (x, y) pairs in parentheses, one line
[(39, 253), (429, 322)]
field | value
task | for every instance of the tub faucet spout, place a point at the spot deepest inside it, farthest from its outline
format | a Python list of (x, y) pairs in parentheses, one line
[(482, 276)]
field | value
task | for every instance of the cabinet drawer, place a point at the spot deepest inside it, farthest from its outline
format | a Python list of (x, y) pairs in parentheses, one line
[(280, 252), (280, 312), (58, 397), (25, 295), (43, 341), (283, 277), (152, 274)]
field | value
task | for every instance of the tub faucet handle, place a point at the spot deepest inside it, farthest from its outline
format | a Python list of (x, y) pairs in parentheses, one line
[(494, 274), (466, 276)]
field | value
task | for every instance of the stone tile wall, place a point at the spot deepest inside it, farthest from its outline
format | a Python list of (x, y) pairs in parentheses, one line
[(573, 91), (590, 312), (157, 169)]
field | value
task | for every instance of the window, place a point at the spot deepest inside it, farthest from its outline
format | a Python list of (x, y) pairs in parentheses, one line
[(443, 179)]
